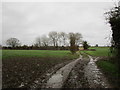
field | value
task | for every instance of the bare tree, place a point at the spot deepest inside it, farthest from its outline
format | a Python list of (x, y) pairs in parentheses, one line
[(54, 37), (78, 39), (13, 42), (45, 40), (38, 41), (63, 38)]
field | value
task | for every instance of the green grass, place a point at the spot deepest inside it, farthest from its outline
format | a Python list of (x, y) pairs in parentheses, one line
[(0, 54), (84, 55), (36, 53), (100, 51), (111, 71), (108, 66)]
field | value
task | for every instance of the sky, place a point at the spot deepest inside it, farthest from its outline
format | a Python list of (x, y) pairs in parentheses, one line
[(28, 20)]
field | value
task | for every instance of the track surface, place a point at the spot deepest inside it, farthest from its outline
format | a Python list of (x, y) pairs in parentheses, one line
[(57, 80), (80, 73)]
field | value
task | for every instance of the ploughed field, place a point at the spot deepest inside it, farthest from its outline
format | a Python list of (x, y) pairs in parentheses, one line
[(22, 67)]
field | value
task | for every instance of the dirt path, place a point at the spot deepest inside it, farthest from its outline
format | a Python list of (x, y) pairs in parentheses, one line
[(57, 79), (85, 74), (95, 78), (40, 82), (77, 77), (80, 73)]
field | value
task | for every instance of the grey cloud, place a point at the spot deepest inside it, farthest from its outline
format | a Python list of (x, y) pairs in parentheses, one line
[(26, 21)]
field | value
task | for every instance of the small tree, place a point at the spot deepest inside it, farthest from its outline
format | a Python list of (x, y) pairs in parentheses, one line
[(72, 43), (13, 42), (96, 45), (85, 45)]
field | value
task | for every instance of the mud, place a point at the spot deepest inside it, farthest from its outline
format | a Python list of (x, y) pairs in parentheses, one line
[(41, 81), (94, 76), (80, 73), (85, 74), (57, 80), (22, 72), (76, 78)]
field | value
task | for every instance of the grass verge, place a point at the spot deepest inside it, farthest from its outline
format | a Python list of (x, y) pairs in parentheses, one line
[(110, 70)]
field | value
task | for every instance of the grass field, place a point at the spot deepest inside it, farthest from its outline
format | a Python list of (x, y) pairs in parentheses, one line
[(35, 53), (24, 66), (100, 51)]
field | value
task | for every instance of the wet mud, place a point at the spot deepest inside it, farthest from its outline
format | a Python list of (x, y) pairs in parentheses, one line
[(77, 77), (40, 82), (94, 76), (80, 73), (57, 80)]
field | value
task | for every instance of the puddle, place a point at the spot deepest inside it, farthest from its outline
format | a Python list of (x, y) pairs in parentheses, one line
[(55, 81), (94, 76)]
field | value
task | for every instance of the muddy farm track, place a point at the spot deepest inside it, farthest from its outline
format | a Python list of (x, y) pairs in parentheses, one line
[(79, 73)]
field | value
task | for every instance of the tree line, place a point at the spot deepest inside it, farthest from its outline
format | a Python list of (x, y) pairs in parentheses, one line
[(53, 41), (58, 39)]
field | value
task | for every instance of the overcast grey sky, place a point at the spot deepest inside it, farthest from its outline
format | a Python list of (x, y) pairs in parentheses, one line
[(26, 20)]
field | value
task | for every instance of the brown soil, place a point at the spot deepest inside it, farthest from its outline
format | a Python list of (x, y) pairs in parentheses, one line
[(76, 78), (35, 72), (22, 72), (40, 82)]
